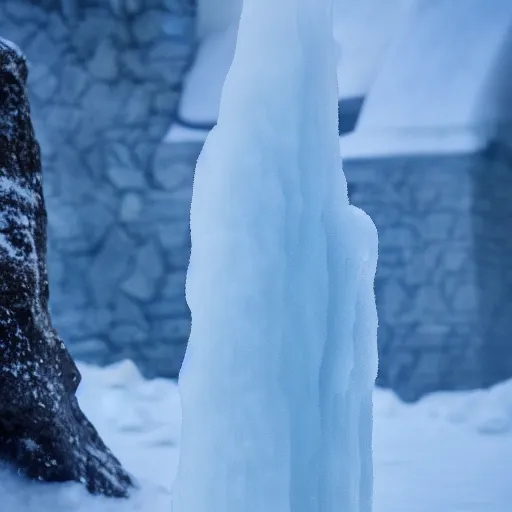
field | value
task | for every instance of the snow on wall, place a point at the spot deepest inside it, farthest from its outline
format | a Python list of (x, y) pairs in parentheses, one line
[(444, 85), (442, 71), (200, 99), (423, 64), (363, 31), (217, 27)]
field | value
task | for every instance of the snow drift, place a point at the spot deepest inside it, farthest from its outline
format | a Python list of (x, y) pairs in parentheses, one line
[(418, 448)]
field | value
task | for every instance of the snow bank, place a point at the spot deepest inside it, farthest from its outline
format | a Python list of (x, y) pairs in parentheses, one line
[(139, 419), (482, 411), (19, 495), (114, 396)]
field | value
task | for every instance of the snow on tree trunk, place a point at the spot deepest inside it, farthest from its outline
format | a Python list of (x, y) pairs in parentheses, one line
[(277, 382), (43, 431)]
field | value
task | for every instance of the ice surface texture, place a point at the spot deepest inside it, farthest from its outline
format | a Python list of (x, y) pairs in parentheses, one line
[(276, 386), (43, 432)]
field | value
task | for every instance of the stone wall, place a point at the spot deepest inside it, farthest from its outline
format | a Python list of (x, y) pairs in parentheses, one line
[(105, 77), (104, 83), (492, 228), (444, 281)]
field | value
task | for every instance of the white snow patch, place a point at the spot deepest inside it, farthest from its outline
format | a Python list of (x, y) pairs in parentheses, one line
[(8, 185), (446, 68), (416, 142), (179, 133), (430, 456), (365, 29), (201, 95), (12, 46)]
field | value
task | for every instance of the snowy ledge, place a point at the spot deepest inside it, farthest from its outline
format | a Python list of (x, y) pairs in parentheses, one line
[(11, 45), (179, 133), (379, 143), (412, 142)]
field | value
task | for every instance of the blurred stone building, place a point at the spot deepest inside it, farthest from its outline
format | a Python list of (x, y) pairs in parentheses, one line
[(105, 79), (124, 93)]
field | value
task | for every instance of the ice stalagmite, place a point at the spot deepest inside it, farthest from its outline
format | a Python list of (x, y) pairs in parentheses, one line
[(277, 381)]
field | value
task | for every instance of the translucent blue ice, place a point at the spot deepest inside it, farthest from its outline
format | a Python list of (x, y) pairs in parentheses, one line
[(277, 382)]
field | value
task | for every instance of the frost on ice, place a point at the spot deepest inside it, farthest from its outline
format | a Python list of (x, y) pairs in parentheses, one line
[(277, 382)]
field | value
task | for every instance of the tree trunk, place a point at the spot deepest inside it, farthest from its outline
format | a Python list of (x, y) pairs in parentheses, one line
[(43, 432)]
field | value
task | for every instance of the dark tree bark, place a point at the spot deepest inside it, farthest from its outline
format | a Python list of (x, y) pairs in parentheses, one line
[(43, 432)]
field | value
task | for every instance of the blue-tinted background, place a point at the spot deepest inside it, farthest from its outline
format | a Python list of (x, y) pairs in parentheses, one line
[(123, 93)]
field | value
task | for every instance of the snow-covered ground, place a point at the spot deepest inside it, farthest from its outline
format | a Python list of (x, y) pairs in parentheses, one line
[(452, 452)]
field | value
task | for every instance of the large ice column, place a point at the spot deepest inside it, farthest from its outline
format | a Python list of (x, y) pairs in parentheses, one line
[(276, 383), (349, 369)]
